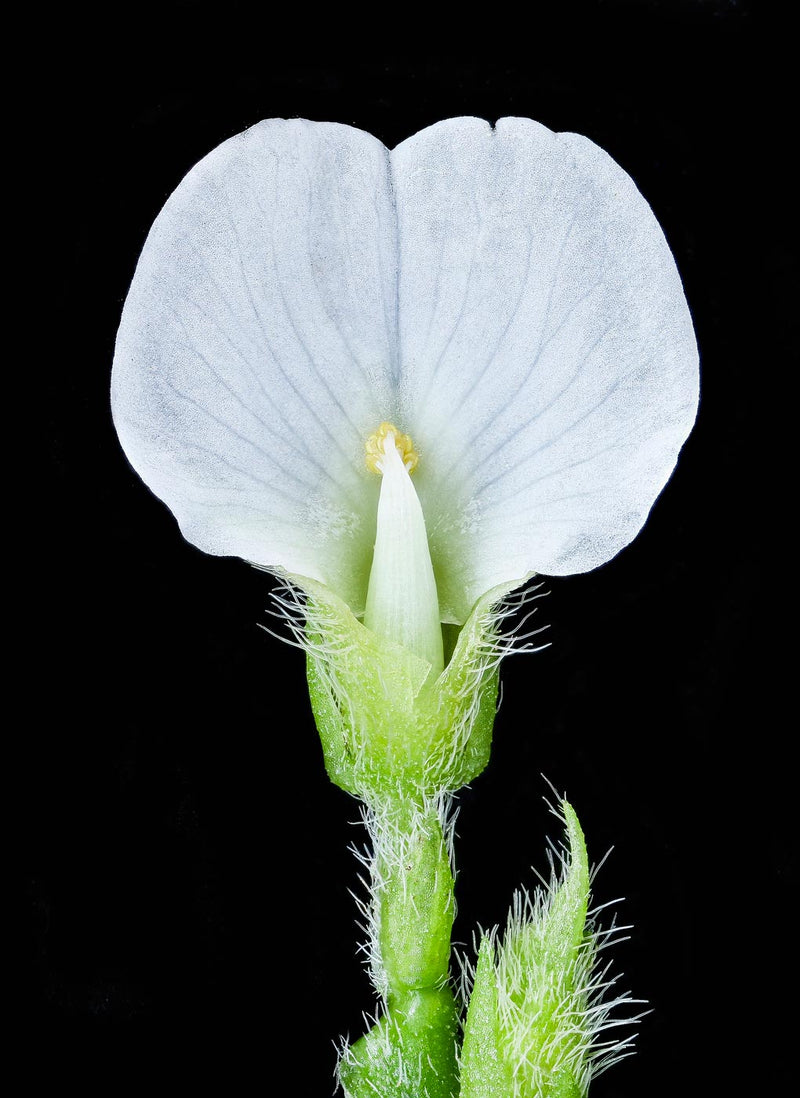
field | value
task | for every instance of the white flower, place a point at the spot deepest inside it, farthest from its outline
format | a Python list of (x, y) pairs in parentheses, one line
[(504, 295)]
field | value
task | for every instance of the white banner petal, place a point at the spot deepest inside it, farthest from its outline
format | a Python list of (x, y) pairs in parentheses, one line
[(549, 366), (257, 349)]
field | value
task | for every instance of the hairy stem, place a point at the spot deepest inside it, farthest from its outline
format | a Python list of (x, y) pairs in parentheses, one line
[(410, 1052)]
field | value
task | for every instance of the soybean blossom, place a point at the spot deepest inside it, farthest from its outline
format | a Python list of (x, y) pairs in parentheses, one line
[(405, 382)]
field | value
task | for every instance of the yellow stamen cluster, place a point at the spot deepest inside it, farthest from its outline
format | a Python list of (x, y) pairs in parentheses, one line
[(377, 442)]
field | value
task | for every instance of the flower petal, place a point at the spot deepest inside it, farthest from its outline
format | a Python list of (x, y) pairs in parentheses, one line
[(549, 362), (257, 349)]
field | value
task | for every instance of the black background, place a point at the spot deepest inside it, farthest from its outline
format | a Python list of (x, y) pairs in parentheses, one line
[(187, 871)]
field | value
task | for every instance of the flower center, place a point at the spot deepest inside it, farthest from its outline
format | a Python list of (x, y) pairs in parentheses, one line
[(388, 435), (402, 601)]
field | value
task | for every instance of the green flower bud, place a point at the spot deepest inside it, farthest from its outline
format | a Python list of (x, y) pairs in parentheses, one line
[(538, 1004)]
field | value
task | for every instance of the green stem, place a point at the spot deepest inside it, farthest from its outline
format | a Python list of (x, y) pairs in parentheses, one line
[(411, 1051)]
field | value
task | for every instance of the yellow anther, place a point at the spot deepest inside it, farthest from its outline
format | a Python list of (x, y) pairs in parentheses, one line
[(388, 435)]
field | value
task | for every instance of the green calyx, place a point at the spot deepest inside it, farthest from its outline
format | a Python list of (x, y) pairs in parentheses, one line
[(389, 724)]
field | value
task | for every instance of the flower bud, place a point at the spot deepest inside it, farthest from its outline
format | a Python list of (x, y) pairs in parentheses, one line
[(539, 1004)]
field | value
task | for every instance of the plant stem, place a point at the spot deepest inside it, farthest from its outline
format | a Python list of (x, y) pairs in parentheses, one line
[(411, 1050)]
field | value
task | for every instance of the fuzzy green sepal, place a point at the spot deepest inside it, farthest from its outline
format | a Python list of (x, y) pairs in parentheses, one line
[(484, 1071), (389, 726)]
